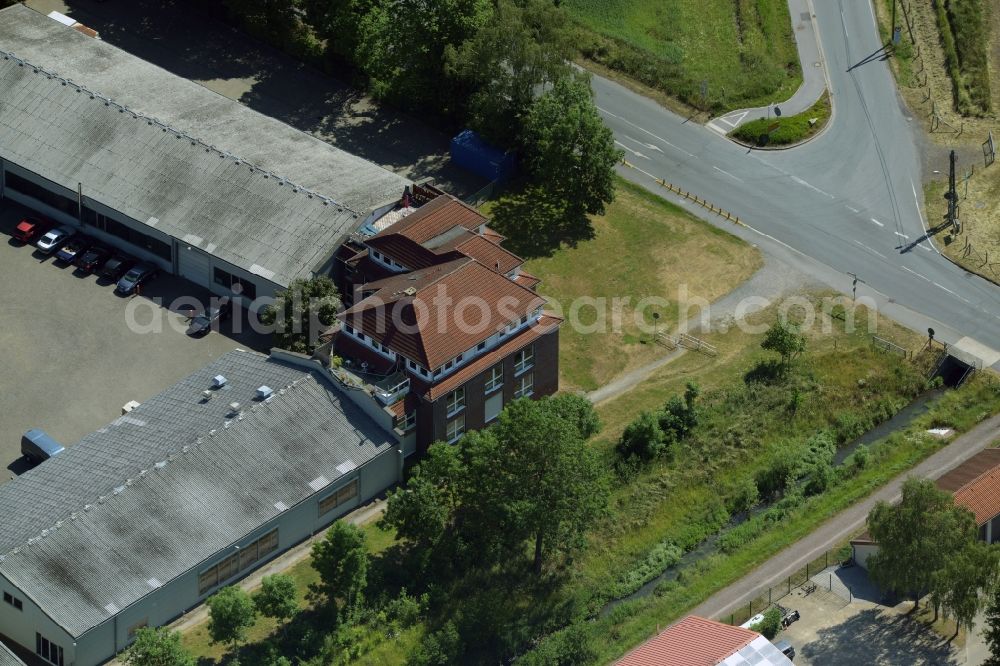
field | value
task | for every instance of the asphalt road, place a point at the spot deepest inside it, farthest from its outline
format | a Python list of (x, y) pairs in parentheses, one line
[(849, 201)]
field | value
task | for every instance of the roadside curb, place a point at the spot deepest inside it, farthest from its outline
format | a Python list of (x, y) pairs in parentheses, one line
[(812, 137)]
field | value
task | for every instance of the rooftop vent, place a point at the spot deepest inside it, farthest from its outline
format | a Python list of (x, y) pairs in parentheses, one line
[(206, 395), (219, 381), (264, 392), (410, 291), (234, 407)]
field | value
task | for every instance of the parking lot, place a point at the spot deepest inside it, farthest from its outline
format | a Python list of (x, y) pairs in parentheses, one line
[(71, 359), (843, 622)]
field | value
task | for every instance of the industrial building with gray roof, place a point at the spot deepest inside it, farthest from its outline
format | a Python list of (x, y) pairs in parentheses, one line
[(161, 166), (144, 518)]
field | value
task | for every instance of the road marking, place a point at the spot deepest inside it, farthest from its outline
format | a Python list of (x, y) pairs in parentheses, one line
[(900, 235), (643, 129), (715, 128), (876, 222), (923, 226), (728, 174), (634, 152), (871, 249), (646, 145), (843, 22), (941, 286), (739, 115), (924, 247), (964, 300), (810, 186), (853, 210), (915, 273)]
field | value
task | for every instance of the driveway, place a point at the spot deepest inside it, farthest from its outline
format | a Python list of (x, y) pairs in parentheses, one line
[(174, 35), (70, 358)]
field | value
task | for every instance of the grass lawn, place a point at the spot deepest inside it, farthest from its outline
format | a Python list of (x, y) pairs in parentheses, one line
[(644, 247), (744, 49), (791, 129)]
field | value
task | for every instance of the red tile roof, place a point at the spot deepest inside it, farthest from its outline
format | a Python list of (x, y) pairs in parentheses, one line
[(435, 218), (980, 491), (527, 280), (546, 324), (434, 314), (489, 254), (694, 641)]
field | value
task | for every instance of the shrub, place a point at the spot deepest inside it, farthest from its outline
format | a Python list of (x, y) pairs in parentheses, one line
[(443, 646), (643, 438), (663, 556), (742, 534), (571, 646), (770, 625)]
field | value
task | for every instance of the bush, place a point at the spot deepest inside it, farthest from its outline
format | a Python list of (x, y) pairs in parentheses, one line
[(742, 534), (643, 438), (663, 556), (568, 647), (438, 648), (770, 625)]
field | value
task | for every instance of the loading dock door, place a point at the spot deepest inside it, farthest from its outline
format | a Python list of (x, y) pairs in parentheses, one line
[(193, 264)]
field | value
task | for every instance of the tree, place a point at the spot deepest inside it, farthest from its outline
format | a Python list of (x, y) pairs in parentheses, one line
[(643, 438), (523, 45), (157, 647), (301, 313), (341, 24), (992, 629), (917, 537), (770, 625), (578, 411), (785, 340), (532, 477), (421, 512), (962, 584), (276, 597), (570, 155), (231, 613), (679, 416), (341, 560)]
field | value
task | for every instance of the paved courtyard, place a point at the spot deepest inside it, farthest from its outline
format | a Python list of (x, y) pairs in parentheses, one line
[(834, 631), (70, 359)]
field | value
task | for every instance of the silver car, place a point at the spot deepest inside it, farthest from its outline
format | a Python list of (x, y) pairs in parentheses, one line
[(54, 239)]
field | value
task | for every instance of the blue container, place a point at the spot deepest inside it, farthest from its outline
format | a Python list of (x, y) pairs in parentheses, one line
[(469, 151)]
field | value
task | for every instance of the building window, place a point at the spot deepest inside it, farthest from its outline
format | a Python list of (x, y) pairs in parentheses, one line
[(524, 386), (57, 201), (493, 406), (524, 360), (409, 421), (234, 284), (240, 561), (13, 601), (455, 429), (48, 650), (481, 346), (338, 497), (141, 624), (494, 378), (456, 401)]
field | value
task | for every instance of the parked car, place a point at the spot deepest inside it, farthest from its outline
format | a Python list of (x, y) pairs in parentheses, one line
[(137, 275), (786, 649), (37, 446), (30, 228), (116, 267), (73, 248), (93, 258), (201, 323), (54, 239)]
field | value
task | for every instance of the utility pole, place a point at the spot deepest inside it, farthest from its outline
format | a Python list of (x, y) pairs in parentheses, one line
[(952, 195), (854, 286)]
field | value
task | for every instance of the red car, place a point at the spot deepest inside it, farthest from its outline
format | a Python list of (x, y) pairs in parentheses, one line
[(31, 228)]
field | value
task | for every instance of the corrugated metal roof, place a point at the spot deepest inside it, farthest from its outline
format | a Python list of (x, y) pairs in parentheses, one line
[(8, 658), (151, 144), (173, 482)]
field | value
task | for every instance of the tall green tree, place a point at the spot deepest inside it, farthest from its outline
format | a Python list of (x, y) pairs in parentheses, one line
[(301, 313), (276, 597), (577, 411), (531, 477), (157, 647), (340, 23), (992, 629), (963, 584), (341, 560), (231, 613), (568, 150), (917, 537), (643, 438), (523, 46)]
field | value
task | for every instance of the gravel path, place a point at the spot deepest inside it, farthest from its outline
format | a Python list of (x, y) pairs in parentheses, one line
[(844, 524)]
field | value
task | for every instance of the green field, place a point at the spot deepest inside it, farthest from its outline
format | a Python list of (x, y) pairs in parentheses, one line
[(743, 49)]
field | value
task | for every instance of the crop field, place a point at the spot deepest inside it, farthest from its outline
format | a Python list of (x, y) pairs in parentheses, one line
[(743, 50)]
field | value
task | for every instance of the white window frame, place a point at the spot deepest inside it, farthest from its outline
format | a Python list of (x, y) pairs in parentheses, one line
[(525, 386), (409, 421), (524, 360), (494, 382), (455, 402), (455, 429)]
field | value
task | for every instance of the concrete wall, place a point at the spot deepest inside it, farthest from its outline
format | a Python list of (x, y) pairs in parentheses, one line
[(20, 625), (861, 553)]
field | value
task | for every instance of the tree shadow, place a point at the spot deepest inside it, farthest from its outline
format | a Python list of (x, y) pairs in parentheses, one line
[(536, 226), (767, 371), (876, 637)]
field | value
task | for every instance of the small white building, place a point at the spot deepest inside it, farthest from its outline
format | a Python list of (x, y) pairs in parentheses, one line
[(188, 492), (169, 171)]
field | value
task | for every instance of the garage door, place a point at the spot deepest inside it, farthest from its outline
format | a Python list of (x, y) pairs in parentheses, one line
[(192, 264)]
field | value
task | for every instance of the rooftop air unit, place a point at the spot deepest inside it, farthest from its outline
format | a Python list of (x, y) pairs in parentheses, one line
[(206, 395), (234, 407), (264, 392), (219, 381)]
